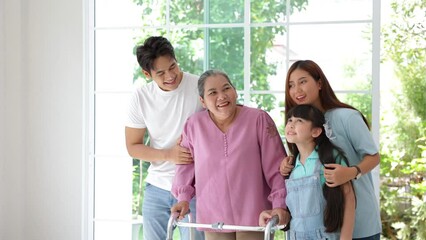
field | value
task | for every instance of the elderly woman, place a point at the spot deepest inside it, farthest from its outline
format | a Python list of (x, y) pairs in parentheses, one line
[(237, 153)]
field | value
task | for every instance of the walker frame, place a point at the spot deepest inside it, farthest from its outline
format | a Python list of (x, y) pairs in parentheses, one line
[(270, 227)]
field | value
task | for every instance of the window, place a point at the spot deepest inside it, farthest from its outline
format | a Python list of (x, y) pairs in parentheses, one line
[(253, 41)]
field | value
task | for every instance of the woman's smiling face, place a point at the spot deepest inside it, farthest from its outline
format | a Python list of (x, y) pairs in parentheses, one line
[(303, 88), (220, 98)]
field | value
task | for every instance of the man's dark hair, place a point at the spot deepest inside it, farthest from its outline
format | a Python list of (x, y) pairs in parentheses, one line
[(152, 48)]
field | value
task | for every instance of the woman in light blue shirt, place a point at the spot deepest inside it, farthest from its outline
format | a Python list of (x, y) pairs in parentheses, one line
[(346, 128)]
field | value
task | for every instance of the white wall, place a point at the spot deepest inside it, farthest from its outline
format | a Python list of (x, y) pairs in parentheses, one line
[(12, 124), (41, 144)]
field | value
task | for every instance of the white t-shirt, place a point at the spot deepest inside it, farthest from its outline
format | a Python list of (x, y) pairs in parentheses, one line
[(163, 114)]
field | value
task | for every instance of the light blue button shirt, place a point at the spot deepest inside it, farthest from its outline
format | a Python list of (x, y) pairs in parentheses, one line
[(307, 169), (346, 129)]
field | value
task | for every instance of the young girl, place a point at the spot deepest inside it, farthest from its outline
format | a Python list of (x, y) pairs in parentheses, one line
[(318, 211), (347, 129)]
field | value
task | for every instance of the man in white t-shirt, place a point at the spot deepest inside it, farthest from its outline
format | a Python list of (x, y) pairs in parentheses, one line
[(161, 107)]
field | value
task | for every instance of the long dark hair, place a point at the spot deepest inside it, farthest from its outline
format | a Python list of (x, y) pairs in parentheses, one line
[(327, 96), (328, 153)]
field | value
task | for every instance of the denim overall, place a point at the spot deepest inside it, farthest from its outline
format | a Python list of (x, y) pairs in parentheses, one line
[(306, 203)]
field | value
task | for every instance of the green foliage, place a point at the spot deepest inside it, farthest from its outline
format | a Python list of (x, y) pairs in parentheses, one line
[(403, 174), (362, 102), (138, 177), (136, 188), (403, 149), (405, 44), (402, 194)]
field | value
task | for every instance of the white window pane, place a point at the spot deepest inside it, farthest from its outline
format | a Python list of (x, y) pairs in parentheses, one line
[(268, 58), (106, 230), (110, 117), (349, 48), (113, 188), (119, 13), (336, 47), (334, 10), (115, 61)]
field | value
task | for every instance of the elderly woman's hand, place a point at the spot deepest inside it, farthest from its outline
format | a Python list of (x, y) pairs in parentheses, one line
[(266, 215), (182, 208)]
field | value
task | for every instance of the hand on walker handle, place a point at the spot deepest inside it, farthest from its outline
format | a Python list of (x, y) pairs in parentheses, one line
[(286, 165), (266, 215), (182, 208)]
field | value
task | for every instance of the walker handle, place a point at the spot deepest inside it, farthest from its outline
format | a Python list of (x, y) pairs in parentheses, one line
[(173, 222), (273, 222), (171, 225)]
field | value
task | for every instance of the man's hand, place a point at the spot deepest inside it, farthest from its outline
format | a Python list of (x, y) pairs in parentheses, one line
[(182, 208), (286, 166), (178, 154)]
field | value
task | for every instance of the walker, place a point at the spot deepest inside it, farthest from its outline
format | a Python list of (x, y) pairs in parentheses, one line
[(270, 228)]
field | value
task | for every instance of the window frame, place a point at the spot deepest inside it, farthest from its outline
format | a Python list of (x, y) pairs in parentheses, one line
[(90, 92)]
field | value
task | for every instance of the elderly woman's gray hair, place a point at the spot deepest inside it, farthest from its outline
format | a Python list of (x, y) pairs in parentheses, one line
[(210, 73)]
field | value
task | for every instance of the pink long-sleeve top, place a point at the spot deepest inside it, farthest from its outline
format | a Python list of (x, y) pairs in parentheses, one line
[(235, 175)]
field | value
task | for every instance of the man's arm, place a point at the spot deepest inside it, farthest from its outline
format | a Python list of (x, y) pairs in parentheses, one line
[(137, 149)]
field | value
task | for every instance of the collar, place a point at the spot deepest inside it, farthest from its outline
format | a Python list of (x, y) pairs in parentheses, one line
[(312, 157)]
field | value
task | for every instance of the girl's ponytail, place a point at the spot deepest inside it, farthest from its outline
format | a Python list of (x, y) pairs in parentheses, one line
[(334, 196)]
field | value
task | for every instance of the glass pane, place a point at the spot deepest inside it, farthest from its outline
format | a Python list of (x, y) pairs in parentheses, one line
[(225, 11), (268, 55), (273, 104), (115, 61), (113, 230), (139, 174), (110, 117), (226, 52), (113, 188), (344, 54), (270, 11), (188, 45), (189, 49), (240, 98), (187, 12), (334, 10), (360, 101), (193, 12), (118, 13)]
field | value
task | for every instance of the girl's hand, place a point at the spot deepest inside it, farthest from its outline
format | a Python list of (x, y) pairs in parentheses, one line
[(182, 208), (336, 174), (286, 165)]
